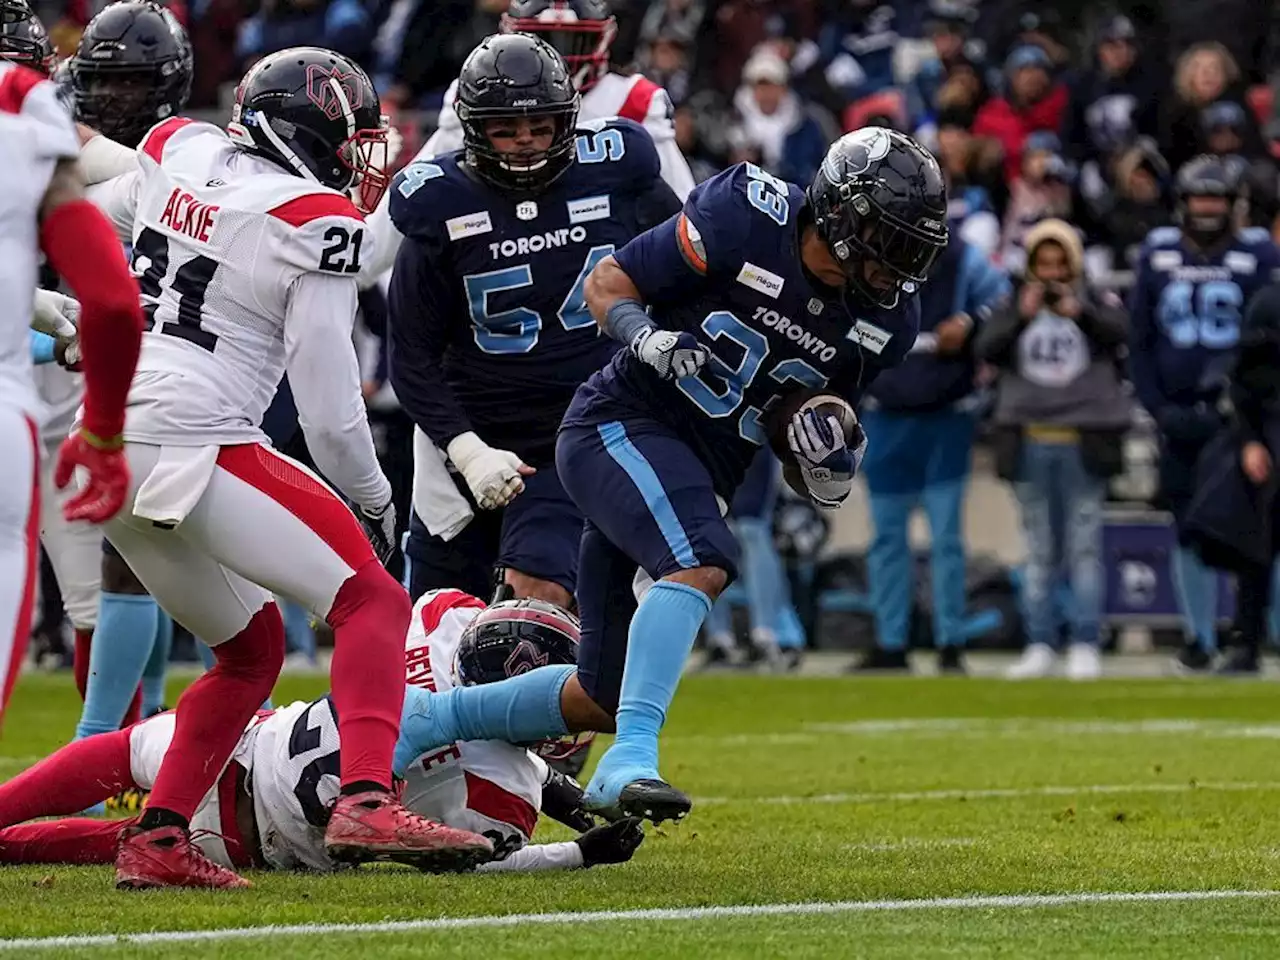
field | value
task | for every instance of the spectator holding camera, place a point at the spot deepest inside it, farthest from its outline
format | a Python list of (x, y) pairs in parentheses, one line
[(1060, 414)]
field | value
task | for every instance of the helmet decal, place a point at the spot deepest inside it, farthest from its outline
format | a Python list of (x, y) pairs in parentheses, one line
[(525, 657), (335, 92)]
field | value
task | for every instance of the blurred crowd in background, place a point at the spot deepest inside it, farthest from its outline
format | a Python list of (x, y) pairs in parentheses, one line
[(1060, 127), (1077, 110)]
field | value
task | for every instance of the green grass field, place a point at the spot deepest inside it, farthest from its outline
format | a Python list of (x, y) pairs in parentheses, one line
[(908, 807)]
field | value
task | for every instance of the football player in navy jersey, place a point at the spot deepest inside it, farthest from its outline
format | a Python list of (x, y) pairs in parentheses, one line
[(1193, 282), (755, 291), (490, 332)]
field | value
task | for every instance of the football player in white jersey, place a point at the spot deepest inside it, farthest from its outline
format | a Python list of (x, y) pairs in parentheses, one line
[(582, 31), (271, 804), (246, 245), (42, 207), (133, 67)]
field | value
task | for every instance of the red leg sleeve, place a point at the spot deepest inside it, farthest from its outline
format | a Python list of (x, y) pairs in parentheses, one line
[(83, 248), (74, 778), (75, 840)]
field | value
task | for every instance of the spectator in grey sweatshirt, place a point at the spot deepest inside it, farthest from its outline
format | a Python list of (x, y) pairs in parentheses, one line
[(1060, 416)]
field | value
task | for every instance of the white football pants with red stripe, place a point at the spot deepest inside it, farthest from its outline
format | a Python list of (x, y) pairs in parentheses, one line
[(255, 531), (74, 549), (19, 538)]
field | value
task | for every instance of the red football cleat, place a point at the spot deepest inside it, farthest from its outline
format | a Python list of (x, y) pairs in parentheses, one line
[(375, 826), (166, 857)]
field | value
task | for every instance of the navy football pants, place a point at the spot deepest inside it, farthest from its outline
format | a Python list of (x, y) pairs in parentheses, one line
[(648, 502)]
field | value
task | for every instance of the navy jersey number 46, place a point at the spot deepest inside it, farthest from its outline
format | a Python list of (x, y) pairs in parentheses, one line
[(1207, 314)]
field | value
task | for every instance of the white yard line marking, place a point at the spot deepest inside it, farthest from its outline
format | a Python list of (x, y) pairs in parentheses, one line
[(910, 843), (632, 916), (978, 728), (993, 793)]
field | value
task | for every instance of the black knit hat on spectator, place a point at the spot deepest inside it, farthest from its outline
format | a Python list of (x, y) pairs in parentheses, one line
[(953, 16), (1028, 55), (1118, 28)]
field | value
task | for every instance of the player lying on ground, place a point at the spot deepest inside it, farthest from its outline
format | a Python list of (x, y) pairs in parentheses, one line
[(756, 292), (246, 245), (271, 804)]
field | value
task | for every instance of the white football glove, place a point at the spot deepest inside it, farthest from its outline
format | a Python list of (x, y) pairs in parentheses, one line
[(494, 476), (55, 314), (380, 527), (824, 457), (395, 143), (672, 355)]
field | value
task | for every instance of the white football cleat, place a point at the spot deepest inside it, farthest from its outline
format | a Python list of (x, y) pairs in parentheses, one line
[(1083, 662), (1036, 661)]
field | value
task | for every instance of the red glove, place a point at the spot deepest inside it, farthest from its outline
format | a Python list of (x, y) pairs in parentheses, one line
[(104, 460)]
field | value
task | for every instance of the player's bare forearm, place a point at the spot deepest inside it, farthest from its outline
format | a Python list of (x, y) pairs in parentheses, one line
[(606, 285)]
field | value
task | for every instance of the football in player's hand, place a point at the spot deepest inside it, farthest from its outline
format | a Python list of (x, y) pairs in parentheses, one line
[(824, 405)]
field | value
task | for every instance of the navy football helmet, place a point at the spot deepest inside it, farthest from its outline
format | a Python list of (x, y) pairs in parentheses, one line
[(133, 68), (1207, 176), (23, 38), (514, 637), (880, 197), (315, 113), (581, 31), (506, 78)]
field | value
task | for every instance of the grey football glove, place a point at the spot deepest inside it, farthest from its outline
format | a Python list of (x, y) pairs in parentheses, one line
[(671, 355)]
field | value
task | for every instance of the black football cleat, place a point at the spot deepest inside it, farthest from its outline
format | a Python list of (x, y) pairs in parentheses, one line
[(1240, 662), (654, 800), (877, 660), (1193, 658), (951, 660)]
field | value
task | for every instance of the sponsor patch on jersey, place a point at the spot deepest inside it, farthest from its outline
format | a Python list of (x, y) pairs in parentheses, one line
[(869, 336), (588, 209), (1166, 260), (758, 278), (1237, 261), (527, 210), (470, 225)]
